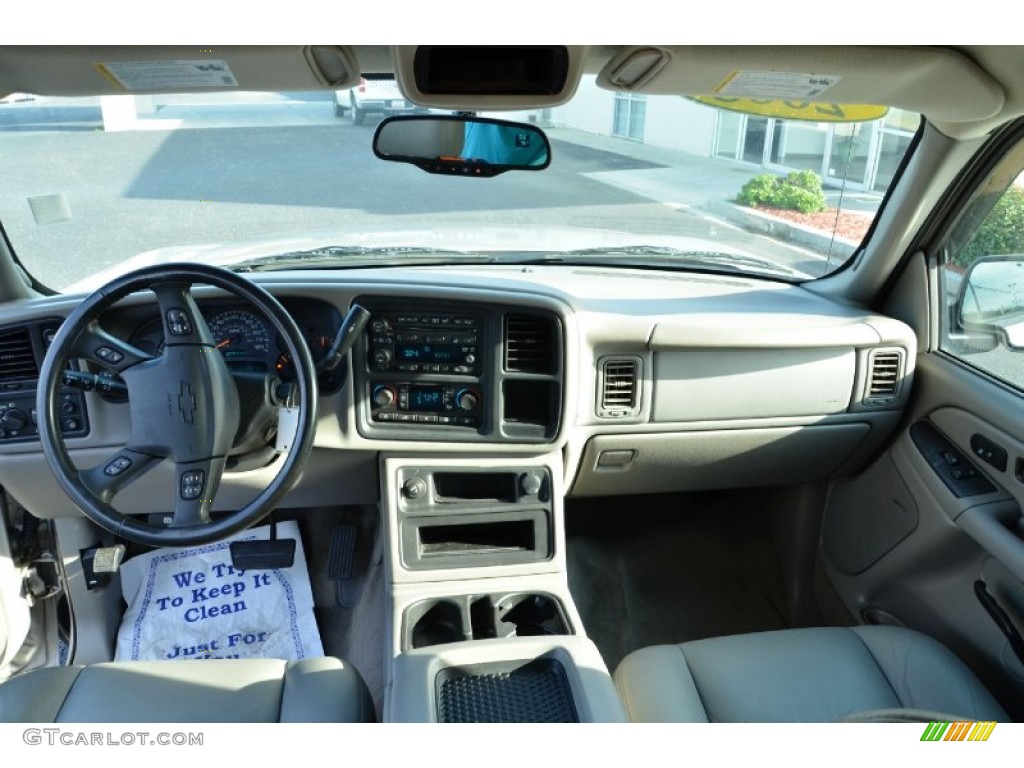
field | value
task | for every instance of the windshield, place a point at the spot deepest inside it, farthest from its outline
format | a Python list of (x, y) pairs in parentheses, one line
[(96, 186)]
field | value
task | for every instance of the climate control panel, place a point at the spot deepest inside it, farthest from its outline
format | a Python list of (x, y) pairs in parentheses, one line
[(439, 403)]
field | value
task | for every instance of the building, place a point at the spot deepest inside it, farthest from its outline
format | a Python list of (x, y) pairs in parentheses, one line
[(866, 154)]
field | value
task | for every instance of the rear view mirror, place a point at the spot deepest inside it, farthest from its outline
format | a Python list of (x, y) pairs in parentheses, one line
[(461, 145), (991, 299)]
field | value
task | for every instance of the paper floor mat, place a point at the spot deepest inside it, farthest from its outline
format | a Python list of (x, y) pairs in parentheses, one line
[(193, 604)]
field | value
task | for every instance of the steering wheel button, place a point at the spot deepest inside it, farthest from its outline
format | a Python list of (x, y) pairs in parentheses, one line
[(192, 484), (109, 355), (117, 466), (178, 323)]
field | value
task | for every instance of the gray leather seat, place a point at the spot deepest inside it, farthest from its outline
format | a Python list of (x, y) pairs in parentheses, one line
[(211, 691), (802, 675)]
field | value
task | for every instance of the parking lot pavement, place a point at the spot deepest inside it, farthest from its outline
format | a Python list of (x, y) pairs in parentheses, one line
[(183, 177)]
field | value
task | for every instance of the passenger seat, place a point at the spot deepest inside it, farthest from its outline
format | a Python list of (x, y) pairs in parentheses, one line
[(871, 673)]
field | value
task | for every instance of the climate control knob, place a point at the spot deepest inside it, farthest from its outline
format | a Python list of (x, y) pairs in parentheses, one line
[(381, 358), (383, 396), (467, 400)]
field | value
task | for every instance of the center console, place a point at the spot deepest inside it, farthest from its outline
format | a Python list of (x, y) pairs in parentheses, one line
[(483, 628)]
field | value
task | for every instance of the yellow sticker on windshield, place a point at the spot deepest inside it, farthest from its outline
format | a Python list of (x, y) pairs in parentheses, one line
[(813, 111)]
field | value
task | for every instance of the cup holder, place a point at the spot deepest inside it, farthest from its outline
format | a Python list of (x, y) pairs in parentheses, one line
[(439, 622), (480, 617), (530, 615)]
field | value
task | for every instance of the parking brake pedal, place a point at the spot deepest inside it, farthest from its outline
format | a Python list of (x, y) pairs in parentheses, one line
[(99, 564), (263, 554), (341, 563)]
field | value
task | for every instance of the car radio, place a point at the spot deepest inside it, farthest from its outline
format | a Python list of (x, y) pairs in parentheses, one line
[(425, 367), (419, 342)]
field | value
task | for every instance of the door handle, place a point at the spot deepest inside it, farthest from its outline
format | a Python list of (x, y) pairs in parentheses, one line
[(1000, 617)]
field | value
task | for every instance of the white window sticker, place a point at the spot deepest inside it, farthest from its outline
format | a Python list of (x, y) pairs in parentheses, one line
[(779, 85), (168, 75)]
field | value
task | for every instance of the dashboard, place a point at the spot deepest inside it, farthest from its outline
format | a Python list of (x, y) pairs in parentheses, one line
[(638, 381)]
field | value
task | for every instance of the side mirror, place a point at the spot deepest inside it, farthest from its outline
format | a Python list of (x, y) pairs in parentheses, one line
[(461, 145), (991, 299)]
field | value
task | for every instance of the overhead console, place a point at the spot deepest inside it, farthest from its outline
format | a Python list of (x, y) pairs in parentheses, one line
[(458, 372), (489, 77)]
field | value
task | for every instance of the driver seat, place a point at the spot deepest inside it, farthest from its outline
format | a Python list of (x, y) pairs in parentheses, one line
[(319, 690)]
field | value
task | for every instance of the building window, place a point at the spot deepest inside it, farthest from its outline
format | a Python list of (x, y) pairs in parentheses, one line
[(897, 131), (628, 120)]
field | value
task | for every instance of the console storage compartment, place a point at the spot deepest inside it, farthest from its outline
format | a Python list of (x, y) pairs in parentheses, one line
[(534, 691), (470, 540), (469, 517), (552, 679)]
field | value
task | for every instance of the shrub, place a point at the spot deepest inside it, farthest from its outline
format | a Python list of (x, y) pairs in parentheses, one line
[(799, 191), (1002, 231)]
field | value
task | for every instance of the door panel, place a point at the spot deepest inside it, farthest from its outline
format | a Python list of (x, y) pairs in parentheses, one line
[(903, 545)]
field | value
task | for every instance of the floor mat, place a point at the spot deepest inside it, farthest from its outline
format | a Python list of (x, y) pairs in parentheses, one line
[(349, 596), (192, 603), (650, 570)]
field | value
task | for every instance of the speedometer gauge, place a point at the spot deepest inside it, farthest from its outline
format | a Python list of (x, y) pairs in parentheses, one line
[(239, 334)]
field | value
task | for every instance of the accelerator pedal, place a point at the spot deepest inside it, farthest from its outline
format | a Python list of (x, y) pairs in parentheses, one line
[(341, 563)]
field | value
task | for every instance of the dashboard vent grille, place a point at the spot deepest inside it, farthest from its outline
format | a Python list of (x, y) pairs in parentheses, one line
[(619, 387), (886, 372), (17, 360), (529, 344)]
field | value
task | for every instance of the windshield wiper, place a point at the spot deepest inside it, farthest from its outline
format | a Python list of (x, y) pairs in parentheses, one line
[(656, 255), (355, 256)]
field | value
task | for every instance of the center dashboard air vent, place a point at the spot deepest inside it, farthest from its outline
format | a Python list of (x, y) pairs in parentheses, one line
[(529, 344), (618, 387), (885, 374), (17, 359)]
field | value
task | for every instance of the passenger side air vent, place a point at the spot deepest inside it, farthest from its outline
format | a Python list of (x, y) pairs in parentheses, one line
[(17, 360), (529, 344), (885, 374), (618, 387)]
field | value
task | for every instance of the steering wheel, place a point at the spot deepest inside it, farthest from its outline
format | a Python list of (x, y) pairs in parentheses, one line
[(182, 403)]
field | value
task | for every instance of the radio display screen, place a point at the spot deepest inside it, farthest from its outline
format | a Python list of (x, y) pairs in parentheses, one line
[(426, 399), (428, 353)]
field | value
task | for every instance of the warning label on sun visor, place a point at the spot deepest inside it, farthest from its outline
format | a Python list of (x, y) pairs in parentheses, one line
[(168, 75), (779, 85)]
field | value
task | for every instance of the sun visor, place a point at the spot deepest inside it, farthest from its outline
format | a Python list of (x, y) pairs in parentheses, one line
[(98, 70), (477, 78), (939, 83)]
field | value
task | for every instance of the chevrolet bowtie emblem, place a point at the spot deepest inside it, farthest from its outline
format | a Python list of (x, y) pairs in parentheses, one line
[(187, 403)]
